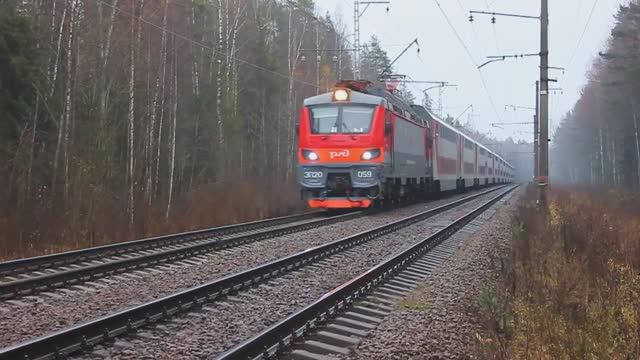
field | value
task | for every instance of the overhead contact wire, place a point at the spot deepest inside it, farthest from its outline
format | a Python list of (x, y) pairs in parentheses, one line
[(473, 61)]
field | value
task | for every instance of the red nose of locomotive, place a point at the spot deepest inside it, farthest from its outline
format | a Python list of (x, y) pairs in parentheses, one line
[(341, 148)]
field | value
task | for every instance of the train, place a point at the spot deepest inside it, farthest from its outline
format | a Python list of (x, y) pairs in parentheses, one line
[(360, 145)]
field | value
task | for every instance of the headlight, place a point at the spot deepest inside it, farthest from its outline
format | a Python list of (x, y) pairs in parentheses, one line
[(340, 95), (370, 154), (310, 155)]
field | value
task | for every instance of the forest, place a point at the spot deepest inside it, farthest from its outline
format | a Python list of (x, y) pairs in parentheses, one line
[(124, 119), (597, 142)]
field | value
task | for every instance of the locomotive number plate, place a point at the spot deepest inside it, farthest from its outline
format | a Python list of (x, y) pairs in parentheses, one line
[(364, 174), (312, 174)]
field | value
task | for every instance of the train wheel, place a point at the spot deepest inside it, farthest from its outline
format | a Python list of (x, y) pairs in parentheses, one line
[(377, 204)]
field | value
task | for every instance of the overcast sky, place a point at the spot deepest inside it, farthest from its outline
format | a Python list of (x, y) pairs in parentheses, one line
[(444, 58)]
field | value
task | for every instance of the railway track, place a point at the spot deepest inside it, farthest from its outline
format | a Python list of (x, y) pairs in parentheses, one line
[(32, 275), (333, 323), (106, 328)]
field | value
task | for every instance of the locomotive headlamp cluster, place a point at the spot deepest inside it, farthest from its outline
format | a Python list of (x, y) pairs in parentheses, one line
[(370, 154), (310, 155), (340, 95)]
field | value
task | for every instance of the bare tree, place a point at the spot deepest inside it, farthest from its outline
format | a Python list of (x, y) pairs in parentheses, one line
[(634, 114), (34, 128), (219, 84), (158, 95), (105, 55), (135, 43), (54, 74), (295, 41), (64, 124), (172, 137)]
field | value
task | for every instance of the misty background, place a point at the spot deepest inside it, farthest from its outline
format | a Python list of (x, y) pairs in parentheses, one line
[(578, 29)]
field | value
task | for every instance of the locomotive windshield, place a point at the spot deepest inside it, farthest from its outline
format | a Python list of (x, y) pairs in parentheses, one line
[(341, 119)]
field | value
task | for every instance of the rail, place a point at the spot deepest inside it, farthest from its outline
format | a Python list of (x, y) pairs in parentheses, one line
[(278, 337), (82, 336), (33, 284), (63, 258)]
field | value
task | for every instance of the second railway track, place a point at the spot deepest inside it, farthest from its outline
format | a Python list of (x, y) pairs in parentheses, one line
[(17, 267), (110, 326), (32, 275)]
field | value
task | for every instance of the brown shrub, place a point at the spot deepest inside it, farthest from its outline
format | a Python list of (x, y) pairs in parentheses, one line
[(97, 217), (573, 277)]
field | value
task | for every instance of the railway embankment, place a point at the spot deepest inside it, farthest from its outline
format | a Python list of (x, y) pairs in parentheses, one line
[(440, 319), (557, 282), (303, 265), (570, 288)]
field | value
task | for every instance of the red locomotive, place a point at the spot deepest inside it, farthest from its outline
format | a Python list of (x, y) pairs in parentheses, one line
[(360, 145)]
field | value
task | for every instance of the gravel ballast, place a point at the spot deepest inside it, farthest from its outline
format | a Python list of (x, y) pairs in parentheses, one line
[(439, 320), (220, 326), (34, 316)]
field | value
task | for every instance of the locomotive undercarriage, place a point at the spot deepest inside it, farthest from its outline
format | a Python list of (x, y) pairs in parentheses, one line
[(413, 188), (340, 186), (339, 191)]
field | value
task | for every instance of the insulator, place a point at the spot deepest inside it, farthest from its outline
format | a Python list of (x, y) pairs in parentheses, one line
[(470, 18), (493, 20)]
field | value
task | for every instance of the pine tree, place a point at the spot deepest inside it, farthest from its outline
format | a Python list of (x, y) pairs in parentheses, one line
[(373, 60), (19, 61), (405, 94), (427, 102)]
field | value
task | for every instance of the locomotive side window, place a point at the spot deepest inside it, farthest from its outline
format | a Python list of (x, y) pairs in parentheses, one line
[(343, 119), (324, 120), (448, 134), (468, 144)]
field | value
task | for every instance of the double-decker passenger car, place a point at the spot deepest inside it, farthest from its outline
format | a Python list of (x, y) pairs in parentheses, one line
[(360, 144)]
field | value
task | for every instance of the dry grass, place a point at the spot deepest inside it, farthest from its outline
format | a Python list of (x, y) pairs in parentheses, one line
[(40, 228), (571, 286)]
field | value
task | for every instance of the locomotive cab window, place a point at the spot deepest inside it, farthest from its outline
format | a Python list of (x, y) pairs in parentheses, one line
[(341, 119), (356, 119), (324, 120)]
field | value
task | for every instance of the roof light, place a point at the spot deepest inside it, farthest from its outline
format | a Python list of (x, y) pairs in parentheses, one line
[(340, 95)]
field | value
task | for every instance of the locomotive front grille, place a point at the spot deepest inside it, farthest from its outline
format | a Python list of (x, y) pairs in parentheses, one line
[(339, 181)]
